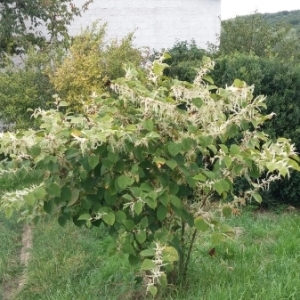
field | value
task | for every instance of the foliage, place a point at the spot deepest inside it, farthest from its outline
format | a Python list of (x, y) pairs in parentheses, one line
[(280, 82), (131, 162), (281, 17), (75, 264), (28, 22), (252, 34), (90, 63), (185, 61), (25, 88)]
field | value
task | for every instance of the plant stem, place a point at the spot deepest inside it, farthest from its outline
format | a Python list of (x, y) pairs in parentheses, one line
[(189, 254), (182, 250)]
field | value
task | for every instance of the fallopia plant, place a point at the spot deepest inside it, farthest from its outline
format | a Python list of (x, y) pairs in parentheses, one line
[(146, 159)]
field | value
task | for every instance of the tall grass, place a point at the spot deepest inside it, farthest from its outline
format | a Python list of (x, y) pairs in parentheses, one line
[(262, 263)]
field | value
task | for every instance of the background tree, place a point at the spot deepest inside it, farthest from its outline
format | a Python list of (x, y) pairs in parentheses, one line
[(33, 22), (253, 34)]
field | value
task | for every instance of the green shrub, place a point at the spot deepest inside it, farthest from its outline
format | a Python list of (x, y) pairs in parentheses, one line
[(131, 161), (185, 61), (89, 63), (280, 83), (24, 87)]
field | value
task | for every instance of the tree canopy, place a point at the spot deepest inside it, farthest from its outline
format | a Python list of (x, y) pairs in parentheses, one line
[(22, 22)]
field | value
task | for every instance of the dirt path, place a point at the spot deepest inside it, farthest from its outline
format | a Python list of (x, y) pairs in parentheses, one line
[(16, 285)]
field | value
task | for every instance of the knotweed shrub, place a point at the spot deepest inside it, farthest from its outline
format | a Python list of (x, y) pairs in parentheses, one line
[(130, 162)]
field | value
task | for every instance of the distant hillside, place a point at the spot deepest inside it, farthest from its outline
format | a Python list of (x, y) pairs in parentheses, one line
[(288, 17)]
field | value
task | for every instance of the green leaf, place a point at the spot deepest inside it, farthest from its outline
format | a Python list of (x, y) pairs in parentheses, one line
[(74, 197), (138, 207), (128, 197), (40, 192), (161, 213), (201, 224), (159, 161), (141, 236), (146, 187), (129, 225), (221, 186), (152, 135), (198, 102), (158, 68), (271, 166), (208, 79), (109, 198), (148, 125), (191, 181), (213, 148), (175, 201), (224, 148), (153, 290), (171, 163), (63, 103), (124, 181), (257, 197), (133, 259), (200, 177), (170, 254), (227, 211), (54, 190), (174, 148), (62, 220), (120, 216), (238, 83), (164, 199), (35, 151), (84, 217), (227, 161), (235, 149), (152, 203), (113, 157), (30, 199), (148, 265), (109, 218), (144, 223), (66, 194), (49, 206), (218, 238), (209, 174), (147, 253), (93, 161)]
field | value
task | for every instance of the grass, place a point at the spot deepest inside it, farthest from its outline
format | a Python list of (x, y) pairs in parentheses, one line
[(263, 263), (10, 245), (73, 263)]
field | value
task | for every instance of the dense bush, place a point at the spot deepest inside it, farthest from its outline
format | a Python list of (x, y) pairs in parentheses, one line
[(185, 60), (24, 87), (73, 74), (90, 63), (129, 162), (280, 83)]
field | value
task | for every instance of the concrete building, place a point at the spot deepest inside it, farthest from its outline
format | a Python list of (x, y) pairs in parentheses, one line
[(157, 23)]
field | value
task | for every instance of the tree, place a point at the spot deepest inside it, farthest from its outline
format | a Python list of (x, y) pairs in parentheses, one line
[(90, 63), (145, 160), (252, 34), (22, 22)]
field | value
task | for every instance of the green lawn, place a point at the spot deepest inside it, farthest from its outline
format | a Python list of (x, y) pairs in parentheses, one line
[(10, 246), (72, 263)]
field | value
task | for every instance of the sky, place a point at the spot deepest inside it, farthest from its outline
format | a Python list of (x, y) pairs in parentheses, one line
[(232, 8)]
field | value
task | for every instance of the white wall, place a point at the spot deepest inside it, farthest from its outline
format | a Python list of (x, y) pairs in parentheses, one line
[(158, 23)]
